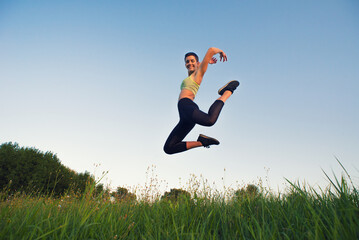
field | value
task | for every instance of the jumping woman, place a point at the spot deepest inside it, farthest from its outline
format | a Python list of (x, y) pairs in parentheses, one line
[(189, 112)]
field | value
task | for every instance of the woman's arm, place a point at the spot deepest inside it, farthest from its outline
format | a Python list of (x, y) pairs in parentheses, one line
[(206, 60)]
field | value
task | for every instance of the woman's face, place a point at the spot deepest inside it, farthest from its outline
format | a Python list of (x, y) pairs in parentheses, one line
[(191, 64)]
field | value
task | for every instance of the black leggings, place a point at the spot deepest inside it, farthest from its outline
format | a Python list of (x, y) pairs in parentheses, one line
[(190, 115)]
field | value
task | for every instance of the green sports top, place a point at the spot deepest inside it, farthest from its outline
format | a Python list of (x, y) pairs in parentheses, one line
[(189, 84)]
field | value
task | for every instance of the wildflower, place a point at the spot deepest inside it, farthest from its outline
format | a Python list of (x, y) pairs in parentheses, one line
[(131, 225)]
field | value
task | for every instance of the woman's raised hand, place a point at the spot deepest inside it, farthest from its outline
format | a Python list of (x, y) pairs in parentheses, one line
[(222, 57), (213, 60)]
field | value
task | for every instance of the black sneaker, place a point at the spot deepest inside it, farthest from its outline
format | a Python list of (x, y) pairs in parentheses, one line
[(206, 141), (231, 86)]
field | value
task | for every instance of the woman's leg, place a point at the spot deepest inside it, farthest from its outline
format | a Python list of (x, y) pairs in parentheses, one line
[(210, 119), (190, 115), (225, 96), (174, 143)]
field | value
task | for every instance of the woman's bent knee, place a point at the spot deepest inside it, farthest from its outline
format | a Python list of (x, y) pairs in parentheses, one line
[(168, 150), (209, 122), (212, 122)]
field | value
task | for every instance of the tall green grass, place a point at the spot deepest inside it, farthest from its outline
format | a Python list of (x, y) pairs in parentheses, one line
[(299, 213)]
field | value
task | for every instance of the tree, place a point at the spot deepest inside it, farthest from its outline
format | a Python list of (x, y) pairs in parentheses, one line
[(176, 194), (122, 194), (29, 170), (250, 191)]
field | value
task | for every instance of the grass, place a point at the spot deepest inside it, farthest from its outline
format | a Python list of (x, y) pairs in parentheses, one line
[(300, 213)]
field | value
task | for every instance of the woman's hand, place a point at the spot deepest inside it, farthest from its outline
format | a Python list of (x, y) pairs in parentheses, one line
[(213, 60), (208, 59), (222, 57)]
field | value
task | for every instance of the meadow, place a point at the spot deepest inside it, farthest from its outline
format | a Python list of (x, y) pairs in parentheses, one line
[(299, 213)]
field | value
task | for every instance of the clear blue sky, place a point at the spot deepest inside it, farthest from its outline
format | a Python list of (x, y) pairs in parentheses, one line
[(97, 82)]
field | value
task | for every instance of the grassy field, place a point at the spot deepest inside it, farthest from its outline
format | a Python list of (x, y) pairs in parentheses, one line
[(299, 213)]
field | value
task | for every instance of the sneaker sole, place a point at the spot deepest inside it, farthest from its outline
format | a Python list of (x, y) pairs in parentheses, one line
[(233, 81), (204, 136)]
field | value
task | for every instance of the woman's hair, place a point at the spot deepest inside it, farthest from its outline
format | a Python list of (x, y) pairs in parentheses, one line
[(191, 54)]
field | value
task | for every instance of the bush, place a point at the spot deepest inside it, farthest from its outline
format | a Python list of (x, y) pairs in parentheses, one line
[(30, 170), (250, 191), (175, 195), (122, 194)]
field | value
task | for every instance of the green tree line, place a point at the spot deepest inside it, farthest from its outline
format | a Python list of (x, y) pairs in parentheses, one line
[(30, 170)]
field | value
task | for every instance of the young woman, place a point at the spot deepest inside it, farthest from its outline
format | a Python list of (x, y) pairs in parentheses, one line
[(189, 113)]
